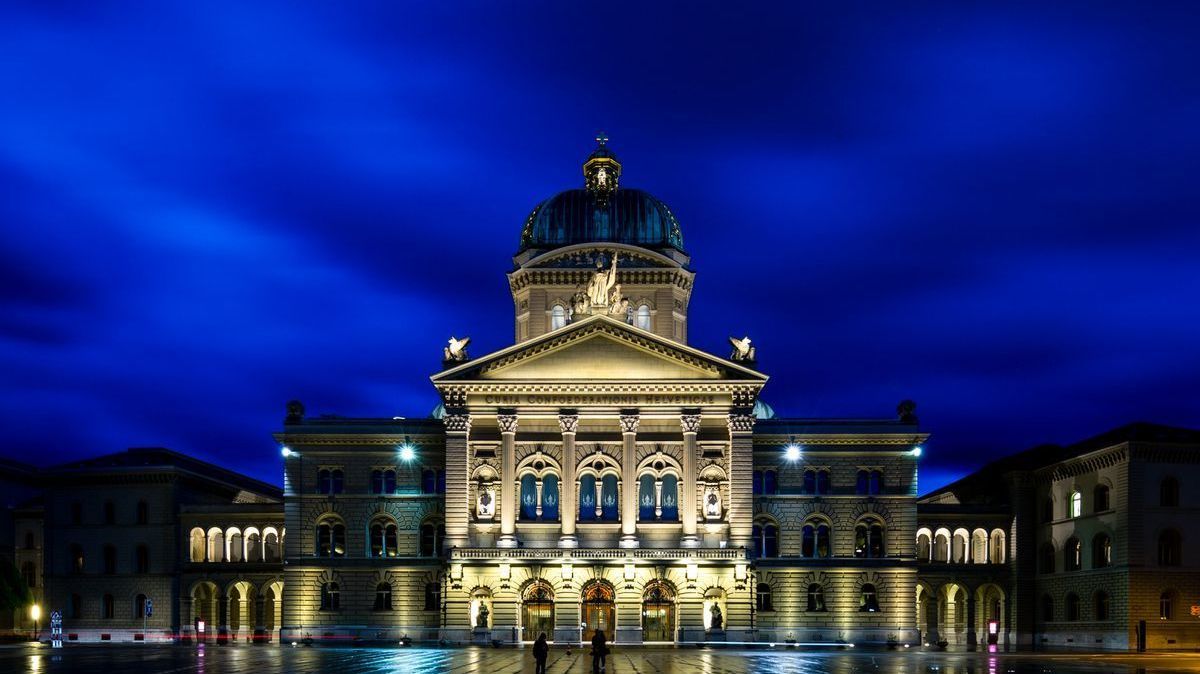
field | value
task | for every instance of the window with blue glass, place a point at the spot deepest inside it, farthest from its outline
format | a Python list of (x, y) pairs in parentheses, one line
[(608, 498), (550, 497), (646, 498), (529, 500), (587, 498), (670, 498)]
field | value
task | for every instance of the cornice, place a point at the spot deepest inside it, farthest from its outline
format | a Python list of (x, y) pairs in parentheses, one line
[(842, 439), (326, 439)]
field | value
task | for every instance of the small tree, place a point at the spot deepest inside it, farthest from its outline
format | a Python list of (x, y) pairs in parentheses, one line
[(14, 593)]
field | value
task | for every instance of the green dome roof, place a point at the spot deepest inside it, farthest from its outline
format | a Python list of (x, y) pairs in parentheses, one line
[(626, 216)]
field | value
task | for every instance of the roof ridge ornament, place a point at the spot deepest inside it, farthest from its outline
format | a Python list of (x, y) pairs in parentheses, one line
[(601, 171)]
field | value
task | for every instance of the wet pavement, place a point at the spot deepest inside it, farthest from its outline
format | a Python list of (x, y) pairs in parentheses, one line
[(150, 659)]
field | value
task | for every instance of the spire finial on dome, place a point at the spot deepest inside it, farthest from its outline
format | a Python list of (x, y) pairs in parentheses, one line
[(601, 171)]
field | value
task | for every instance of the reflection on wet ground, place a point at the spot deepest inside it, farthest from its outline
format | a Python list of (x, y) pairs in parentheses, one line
[(149, 659)]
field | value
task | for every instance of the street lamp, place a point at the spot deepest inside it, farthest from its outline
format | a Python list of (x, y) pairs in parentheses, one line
[(35, 612)]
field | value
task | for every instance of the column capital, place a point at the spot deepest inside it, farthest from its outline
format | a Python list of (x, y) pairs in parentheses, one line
[(630, 421), (568, 422), (507, 422), (690, 423), (741, 423), (457, 423)]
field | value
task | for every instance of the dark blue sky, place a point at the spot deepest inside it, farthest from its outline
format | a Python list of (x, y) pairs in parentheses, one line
[(992, 210)]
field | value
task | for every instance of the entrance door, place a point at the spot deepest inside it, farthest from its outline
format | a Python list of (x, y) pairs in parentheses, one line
[(658, 613), (599, 611), (538, 609)]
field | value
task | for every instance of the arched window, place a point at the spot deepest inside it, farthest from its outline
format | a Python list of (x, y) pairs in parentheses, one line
[(110, 513), (997, 555), (608, 498), (235, 545), (941, 546), (29, 574), (1046, 558), (143, 513), (979, 547), (331, 538), (670, 498), (959, 546), (1076, 504), (529, 497), (924, 546), (1166, 605), (766, 539), (428, 481), (814, 540), (1169, 548), (558, 317), (762, 598), (432, 535), (868, 539), (1072, 555), (587, 498), (1100, 499), (1047, 608), (331, 597), (816, 597), (646, 499), (107, 606), (1101, 605), (271, 546), (868, 599), (641, 319), (383, 597), (1168, 492), (139, 606), (433, 596), (254, 551), (196, 549), (110, 559), (550, 498), (142, 559), (1101, 551), (383, 534), (1072, 605)]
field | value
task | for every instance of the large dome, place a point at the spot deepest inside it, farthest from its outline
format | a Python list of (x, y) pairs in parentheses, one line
[(626, 216)]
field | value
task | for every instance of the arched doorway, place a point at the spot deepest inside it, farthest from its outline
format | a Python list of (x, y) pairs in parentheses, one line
[(204, 609), (989, 617), (272, 608), (598, 610), (537, 611), (658, 612)]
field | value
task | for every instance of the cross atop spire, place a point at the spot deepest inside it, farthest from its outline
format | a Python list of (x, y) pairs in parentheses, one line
[(601, 138)]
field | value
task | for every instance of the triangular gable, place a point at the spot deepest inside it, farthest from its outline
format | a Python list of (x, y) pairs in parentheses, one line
[(599, 348)]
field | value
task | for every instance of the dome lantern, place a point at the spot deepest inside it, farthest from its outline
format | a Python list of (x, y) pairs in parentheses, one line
[(601, 171)]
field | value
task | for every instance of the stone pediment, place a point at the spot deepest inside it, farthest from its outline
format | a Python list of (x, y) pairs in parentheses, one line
[(599, 348)]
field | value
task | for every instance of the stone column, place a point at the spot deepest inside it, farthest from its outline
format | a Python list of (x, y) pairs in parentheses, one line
[(971, 621), (568, 501), (260, 623), (629, 426), (508, 480), (222, 619), (740, 464), (458, 428), (687, 496)]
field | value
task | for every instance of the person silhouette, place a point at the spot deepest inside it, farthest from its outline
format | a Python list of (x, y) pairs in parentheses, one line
[(540, 651), (599, 651)]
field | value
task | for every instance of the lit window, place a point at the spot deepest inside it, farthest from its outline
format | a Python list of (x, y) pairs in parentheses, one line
[(642, 318), (1076, 504), (558, 317), (869, 600)]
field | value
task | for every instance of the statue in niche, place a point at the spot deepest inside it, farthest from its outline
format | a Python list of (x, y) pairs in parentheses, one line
[(718, 620), (482, 619)]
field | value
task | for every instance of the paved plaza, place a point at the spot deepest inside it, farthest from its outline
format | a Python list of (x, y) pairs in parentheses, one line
[(150, 659)]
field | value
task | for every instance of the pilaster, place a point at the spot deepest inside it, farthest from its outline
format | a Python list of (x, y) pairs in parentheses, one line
[(508, 480), (458, 428), (740, 464), (629, 426), (568, 509), (688, 502)]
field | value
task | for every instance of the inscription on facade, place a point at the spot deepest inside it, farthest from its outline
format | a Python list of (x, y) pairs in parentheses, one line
[(631, 400)]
